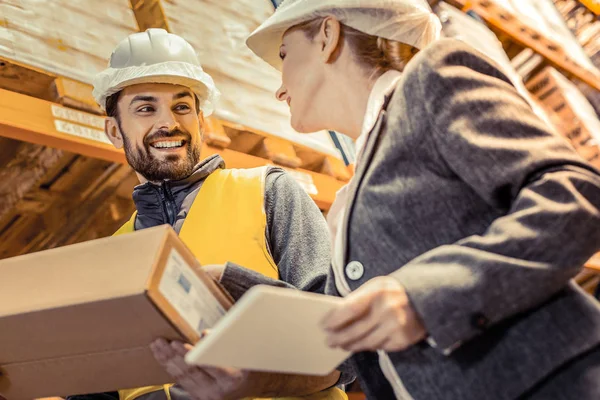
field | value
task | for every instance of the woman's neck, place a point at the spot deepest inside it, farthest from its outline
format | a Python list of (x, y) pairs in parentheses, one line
[(349, 90)]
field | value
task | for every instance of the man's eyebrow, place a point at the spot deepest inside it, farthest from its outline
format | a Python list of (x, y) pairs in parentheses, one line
[(150, 99), (181, 95)]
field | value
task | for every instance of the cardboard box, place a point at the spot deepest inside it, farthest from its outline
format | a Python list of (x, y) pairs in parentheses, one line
[(79, 319)]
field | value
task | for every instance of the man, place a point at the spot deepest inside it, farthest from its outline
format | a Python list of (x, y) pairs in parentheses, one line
[(156, 95)]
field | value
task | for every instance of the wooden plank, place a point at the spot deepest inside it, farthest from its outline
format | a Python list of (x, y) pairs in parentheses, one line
[(279, 151), (591, 285), (337, 168), (79, 214), (17, 239), (33, 120), (8, 149), (593, 263), (214, 134), (74, 94), (149, 14), (25, 79)]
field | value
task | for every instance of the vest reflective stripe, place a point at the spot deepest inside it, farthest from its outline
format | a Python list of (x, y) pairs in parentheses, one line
[(228, 222)]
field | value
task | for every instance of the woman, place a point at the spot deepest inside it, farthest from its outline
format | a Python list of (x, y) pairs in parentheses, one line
[(457, 238)]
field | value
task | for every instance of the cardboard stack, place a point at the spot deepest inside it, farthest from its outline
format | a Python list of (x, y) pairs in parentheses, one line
[(71, 38)]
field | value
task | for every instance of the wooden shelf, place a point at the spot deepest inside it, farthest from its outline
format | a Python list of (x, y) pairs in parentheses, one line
[(593, 263), (592, 5), (42, 122), (528, 36)]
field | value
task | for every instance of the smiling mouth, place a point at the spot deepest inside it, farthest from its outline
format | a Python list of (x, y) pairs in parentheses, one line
[(168, 144)]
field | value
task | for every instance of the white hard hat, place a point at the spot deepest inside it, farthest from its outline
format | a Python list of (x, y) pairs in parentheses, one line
[(155, 56), (408, 21)]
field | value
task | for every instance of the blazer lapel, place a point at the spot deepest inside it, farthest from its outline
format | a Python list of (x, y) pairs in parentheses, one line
[(366, 157)]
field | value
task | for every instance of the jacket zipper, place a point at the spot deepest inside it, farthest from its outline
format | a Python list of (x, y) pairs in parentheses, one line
[(168, 203)]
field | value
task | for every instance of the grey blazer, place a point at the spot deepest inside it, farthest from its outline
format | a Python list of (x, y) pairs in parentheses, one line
[(484, 216)]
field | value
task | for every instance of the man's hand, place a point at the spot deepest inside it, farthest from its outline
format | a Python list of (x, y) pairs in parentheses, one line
[(231, 383), (377, 316), (199, 383)]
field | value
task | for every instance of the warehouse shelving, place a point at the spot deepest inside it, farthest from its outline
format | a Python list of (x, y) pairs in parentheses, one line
[(45, 121), (527, 35)]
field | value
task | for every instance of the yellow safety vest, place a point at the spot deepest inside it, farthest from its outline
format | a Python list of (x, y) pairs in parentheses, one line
[(227, 222)]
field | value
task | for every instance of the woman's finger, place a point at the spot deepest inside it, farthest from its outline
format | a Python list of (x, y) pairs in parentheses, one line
[(351, 309), (355, 331), (376, 339)]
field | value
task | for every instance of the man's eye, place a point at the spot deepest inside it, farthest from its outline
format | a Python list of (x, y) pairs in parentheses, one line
[(146, 109), (182, 107), (281, 55)]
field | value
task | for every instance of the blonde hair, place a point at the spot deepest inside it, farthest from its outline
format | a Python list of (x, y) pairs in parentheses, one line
[(374, 53)]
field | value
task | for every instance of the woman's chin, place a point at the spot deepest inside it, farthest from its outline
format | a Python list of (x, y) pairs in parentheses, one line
[(304, 126)]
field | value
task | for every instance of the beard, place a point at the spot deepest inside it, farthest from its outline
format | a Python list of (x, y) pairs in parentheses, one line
[(172, 167)]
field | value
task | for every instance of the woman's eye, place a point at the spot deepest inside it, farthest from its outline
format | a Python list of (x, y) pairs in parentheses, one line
[(281, 55), (182, 107)]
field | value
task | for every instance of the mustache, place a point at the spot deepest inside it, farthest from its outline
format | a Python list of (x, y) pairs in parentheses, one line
[(164, 134)]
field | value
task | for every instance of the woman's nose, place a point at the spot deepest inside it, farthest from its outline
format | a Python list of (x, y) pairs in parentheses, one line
[(281, 93)]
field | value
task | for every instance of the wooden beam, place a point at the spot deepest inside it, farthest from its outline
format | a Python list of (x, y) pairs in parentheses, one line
[(28, 166), (25, 79), (41, 122), (149, 14), (82, 210), (279, 151), (214, 134), (45, 123), (74, 94)]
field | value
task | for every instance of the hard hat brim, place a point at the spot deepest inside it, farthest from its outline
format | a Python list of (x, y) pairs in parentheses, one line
[(193, 77), (407, 21)]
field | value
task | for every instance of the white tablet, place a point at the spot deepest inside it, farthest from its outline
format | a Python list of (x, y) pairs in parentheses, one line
[(274, 330)]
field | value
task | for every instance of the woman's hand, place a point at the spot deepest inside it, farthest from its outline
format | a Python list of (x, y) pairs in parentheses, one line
[(377, 316)]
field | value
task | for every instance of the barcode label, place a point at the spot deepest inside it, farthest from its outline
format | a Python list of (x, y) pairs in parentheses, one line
[(190, 297)]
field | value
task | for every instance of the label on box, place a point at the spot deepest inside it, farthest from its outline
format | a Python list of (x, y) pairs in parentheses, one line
[(190, 297)]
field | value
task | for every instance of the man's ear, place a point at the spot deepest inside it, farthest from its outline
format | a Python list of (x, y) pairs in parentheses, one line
[(201, 123), (113, 132), (329, 38)]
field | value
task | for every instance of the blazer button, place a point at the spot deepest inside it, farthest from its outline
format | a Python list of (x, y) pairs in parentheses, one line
[(355, 270), (479, 321)]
